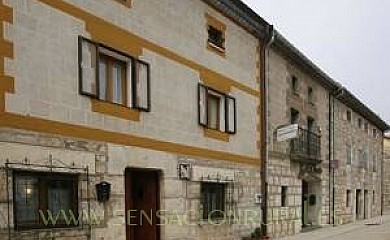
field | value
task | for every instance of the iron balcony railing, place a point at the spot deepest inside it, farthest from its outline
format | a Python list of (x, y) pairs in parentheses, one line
[(306, 148)]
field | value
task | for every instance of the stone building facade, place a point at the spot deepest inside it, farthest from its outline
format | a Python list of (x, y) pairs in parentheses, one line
[(386, 177), (315, 178), (119, 110)]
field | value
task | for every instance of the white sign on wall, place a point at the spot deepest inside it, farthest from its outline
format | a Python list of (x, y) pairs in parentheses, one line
[(287, 132)]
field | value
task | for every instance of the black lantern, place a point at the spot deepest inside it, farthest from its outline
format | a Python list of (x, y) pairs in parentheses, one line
[(103, 191)]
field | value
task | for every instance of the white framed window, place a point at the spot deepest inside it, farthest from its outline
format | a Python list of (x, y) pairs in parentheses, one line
[(109, 75), (216, 110)]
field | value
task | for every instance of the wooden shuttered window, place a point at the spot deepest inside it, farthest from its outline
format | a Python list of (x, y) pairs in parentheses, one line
[(141, 86), (112, 76), (216, 110)]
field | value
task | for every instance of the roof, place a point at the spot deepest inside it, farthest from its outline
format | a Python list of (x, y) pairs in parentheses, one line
[(334, 87), (243, 15)]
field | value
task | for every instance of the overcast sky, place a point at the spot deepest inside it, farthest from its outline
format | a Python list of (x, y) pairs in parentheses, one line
[(348, 39)]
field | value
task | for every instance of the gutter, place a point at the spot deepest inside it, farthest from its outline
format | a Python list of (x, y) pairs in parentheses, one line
[(265, 78)]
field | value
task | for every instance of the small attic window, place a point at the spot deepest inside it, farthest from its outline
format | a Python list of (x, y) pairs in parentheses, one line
[(215, 35)]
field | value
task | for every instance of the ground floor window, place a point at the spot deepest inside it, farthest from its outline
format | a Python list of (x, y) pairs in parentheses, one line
[(39, 195), (213, 198)]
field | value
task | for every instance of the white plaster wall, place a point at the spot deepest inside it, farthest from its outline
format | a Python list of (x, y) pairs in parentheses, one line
[(46, 70)]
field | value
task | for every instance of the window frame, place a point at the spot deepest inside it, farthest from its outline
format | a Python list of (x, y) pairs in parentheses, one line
[(295, 85), (226, 98), (349, 116), (206, 210), (349, 154), (44, 178), (310, 95), (220, 45), (131, 79)]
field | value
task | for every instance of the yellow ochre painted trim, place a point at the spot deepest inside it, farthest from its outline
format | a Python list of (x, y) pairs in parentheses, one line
[(217, 135), (123, 40), (6, 51), (215, 23), (53, 127), (115, 110)]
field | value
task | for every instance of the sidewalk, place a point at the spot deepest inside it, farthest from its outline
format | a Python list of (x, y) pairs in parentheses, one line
[(330, 232)]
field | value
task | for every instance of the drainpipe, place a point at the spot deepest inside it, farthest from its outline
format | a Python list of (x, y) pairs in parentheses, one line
[(265, 75)]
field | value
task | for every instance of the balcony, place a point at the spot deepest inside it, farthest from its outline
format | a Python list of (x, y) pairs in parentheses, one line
[(306, 148)]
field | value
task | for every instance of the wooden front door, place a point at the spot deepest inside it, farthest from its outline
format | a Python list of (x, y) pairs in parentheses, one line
[(142, 204)]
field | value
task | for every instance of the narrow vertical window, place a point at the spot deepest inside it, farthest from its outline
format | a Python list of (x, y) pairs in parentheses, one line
[(284, 196), (310, 95), (231, 115), (87, 67), (294, 85), (294, 117), (141, 87), (349, 199), (349, 116)]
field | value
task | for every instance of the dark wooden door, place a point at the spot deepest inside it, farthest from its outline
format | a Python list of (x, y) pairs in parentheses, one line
[(142, 204)]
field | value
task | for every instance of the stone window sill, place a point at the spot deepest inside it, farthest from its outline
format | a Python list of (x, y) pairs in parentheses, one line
[(115, 110), (216, 135)]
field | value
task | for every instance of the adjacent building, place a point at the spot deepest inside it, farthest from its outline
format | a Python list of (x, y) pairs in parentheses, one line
[(386, 175), (330, 172), (130, 119)]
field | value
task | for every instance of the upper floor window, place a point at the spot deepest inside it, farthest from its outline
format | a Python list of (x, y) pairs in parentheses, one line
[(284, 195), (216, 34), (310, 95), (375, 133), (349, 116), (294, 85), (294, 116), (112, 76), (216, 110), (366, 127), (349, 154), (374, 163), (37, 194), (349, 198), (360, 123)]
